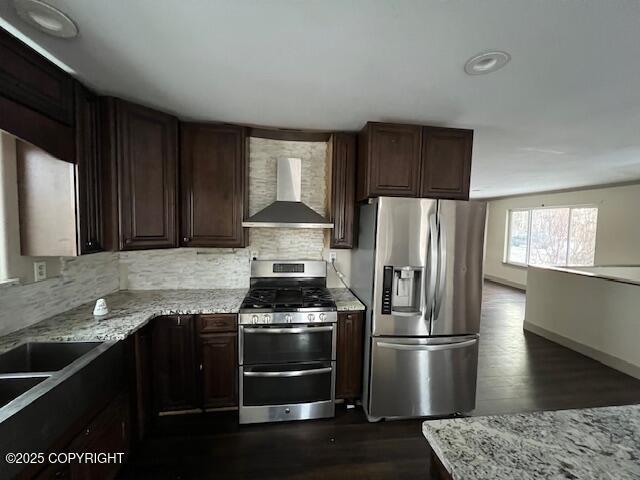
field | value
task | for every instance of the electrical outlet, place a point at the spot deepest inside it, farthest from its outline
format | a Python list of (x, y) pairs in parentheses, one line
[(333, 256), (254, 254), (39, 271)]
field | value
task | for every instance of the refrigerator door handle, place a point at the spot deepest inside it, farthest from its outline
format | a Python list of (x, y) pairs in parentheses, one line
[(442, 268), (428, 348), (433, 263)]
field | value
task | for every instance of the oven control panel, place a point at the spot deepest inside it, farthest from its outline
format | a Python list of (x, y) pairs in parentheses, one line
[(287, 317)]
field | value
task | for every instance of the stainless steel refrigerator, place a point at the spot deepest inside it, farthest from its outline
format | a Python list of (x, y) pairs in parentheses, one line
[(418, 269)]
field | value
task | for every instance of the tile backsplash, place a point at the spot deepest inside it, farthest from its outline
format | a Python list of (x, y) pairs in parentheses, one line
[(82, 279), (183, 268)]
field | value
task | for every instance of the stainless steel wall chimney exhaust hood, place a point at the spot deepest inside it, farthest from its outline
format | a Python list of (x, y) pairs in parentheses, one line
[(288, 211)]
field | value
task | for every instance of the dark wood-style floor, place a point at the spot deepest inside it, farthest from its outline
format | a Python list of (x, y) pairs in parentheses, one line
[(518, 372)]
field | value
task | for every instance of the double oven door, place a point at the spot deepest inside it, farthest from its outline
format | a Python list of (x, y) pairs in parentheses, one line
[(287, 372)]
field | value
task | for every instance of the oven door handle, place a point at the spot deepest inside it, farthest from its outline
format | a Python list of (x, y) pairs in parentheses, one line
[(292, 373), (288, 330)]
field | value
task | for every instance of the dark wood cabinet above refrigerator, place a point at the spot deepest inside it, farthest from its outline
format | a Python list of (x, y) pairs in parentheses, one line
[(413, 161)]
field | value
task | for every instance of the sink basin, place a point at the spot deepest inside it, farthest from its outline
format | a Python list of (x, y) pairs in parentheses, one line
[(43, 356), (11, 388)]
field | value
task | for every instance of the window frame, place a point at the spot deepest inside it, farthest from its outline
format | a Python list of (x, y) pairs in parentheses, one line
[(507, 246)]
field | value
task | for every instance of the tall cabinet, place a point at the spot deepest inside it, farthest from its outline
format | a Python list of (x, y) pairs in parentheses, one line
[(88, 186), (213, 173), (343, 179), (139, 150)]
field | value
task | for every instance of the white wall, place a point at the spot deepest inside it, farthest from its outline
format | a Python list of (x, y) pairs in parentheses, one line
[(617, 237), (594, 316), (12, 263)]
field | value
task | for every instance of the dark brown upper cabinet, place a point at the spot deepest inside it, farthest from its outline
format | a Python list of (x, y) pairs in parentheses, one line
[(88, 188), (343, 184), (213, 173), (30, 79), (413, 161), (446, 163), (36, 99), (388, 160), (139, 159)]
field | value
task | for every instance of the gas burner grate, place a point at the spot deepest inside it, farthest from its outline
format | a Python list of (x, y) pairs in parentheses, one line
[(317, 297)]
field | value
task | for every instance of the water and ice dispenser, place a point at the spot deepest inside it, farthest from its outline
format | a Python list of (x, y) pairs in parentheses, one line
[(401, 290)]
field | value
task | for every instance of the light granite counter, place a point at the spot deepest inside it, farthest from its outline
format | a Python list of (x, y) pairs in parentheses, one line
[(128, 311), (345, 300), (593, 443)]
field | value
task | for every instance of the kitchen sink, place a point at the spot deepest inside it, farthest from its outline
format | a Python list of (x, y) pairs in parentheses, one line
[(36, 357), (11, 388)]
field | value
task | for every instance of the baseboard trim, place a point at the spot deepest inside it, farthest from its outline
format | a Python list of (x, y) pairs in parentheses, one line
[(503, 281), (602, 357)]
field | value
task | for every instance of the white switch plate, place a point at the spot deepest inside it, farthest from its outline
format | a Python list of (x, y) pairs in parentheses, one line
[(39, 271)]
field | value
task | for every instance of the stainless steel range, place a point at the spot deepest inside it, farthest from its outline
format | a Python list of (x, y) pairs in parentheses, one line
[(287, 343)]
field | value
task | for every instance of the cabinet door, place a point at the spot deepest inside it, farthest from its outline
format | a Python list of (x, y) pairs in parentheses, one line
[(219, 368), (107, 433), (143, 381), (343, 173), (446, 163), (349, 355), (147, 176), (213, 179), (394, 159), (174, 363), (89, 218)]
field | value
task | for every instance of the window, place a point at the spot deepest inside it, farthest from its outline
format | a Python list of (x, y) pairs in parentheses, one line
[(564, 236)]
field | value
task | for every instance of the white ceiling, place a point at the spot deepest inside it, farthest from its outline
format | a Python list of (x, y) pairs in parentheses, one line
[(564, 113)]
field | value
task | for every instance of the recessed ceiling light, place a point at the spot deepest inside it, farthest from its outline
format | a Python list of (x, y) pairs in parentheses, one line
[(46, 18), (486, 63)]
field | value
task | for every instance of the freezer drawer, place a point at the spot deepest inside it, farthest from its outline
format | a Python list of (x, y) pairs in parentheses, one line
[(417, 377)]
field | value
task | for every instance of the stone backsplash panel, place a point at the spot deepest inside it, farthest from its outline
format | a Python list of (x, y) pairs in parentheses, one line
[(82, 279)]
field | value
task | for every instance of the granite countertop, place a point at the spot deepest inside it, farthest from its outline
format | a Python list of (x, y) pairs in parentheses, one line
[(128, 311), (592, 443), (345, 300)]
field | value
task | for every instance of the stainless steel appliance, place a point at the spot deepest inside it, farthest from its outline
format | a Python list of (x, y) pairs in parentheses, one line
[(418, 270), (287, 343)]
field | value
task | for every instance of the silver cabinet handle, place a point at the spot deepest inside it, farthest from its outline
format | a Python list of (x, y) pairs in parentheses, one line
[(288, 330), (433, 263), (292, 373), (428, 348), (442, 267)]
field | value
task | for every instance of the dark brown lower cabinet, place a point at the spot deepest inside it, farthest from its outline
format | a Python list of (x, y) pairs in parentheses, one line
[(349, 355), (141, 383), (109, 432), (219, 368), (218, 356), (174, 363)]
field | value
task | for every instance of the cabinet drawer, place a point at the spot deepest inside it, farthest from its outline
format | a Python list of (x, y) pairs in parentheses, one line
[(218, 322)]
